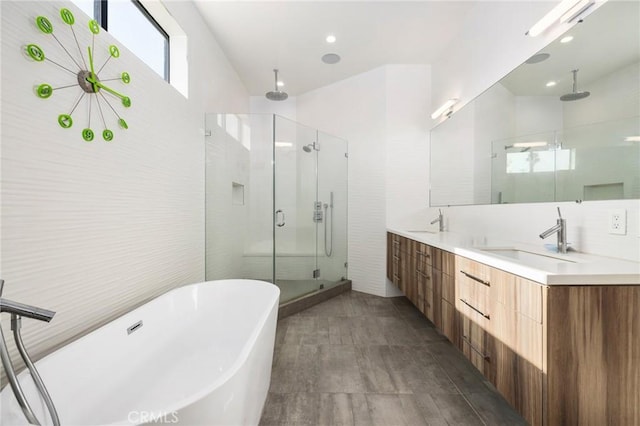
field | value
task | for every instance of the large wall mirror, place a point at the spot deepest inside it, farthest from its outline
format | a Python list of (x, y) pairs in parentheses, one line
[(563, 126)]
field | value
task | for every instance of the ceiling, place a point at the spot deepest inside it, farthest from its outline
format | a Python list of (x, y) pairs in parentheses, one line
[(258, 36)]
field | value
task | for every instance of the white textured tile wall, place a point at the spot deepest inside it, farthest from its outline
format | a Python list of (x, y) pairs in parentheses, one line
[(227, 164), (92, 229)]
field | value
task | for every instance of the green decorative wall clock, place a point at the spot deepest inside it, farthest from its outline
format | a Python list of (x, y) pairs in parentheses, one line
[(86, 73)]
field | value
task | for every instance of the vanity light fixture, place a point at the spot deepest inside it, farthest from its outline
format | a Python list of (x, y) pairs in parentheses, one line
[(566, 39), (576, 10), (566, 8), (330, 39), (530, 144), (551, 84), (445, 109), (279, 144)]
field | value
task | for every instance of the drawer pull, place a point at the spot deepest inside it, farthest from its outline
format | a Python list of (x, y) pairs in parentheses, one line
[(419, 272), (475, 309), (396, 243), (421, 253), (487, 283), (396, 258), (476, 350)]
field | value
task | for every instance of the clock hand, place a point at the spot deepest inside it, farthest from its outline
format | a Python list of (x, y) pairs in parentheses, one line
[(93, 78), (110, 90)]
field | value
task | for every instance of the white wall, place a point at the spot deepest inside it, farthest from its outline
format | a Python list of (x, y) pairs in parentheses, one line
[(492, 44), (92, 229)]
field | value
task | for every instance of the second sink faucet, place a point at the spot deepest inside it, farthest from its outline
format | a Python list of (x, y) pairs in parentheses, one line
[(560, 228), (440, 220)]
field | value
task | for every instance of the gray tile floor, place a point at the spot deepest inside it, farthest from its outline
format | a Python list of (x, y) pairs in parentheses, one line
[(365, 360)]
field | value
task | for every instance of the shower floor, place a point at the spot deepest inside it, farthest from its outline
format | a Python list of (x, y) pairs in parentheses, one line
[(294, 289)]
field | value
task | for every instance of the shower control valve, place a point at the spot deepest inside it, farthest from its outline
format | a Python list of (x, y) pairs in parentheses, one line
[(317, 212)]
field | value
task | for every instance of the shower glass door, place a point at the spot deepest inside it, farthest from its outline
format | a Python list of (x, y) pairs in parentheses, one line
[(276, 203), (295, 190), (331, 244)]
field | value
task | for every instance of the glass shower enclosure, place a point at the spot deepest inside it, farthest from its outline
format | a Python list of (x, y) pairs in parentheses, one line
[(276, 203)]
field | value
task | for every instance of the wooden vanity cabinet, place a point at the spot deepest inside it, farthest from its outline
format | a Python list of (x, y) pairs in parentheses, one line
[(502, 332), (560, 355), (426, 275), (397, 246)]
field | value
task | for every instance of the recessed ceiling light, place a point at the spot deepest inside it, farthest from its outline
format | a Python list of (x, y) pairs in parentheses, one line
[(331, 58), (566, 39), (331, 39), (551, 84), (280, 83)]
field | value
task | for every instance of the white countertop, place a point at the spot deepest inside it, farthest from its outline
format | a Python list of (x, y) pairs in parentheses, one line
[(536, 263)]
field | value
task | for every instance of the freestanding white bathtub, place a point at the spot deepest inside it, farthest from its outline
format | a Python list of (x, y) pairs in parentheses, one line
[(202, 356)]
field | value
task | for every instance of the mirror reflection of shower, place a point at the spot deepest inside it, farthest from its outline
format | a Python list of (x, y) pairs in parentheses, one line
[(311, 147), (328, 247)]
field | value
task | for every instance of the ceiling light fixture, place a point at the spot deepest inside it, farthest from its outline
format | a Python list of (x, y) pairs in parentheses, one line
[(551, 84), (445, 109), (566, 39), (632, 139), (331, 39), (560, 11), (576, 10), (280, 83), (280, 144)]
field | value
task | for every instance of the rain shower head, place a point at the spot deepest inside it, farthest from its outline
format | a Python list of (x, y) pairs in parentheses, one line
[(311, 147), (276, 95), (575, 94)]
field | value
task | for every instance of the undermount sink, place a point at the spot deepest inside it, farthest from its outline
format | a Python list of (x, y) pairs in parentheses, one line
[(525, 256)]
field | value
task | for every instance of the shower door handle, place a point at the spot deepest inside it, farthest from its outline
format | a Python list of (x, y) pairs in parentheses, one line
[(280, 224)]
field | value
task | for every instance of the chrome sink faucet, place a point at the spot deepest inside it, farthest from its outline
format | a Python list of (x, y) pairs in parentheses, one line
[(440, 220), (560, 228)]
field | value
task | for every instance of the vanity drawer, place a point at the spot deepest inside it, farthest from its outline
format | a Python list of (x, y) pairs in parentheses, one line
[(529, 300), (475, 340), (448, 263), (473, 270), (448, 289), (423, 254), (474, 295), (517, 293), (473, 285), (399, 245)]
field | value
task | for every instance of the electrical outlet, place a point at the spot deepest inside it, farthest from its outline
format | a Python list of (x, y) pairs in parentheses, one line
[(618, 222)]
